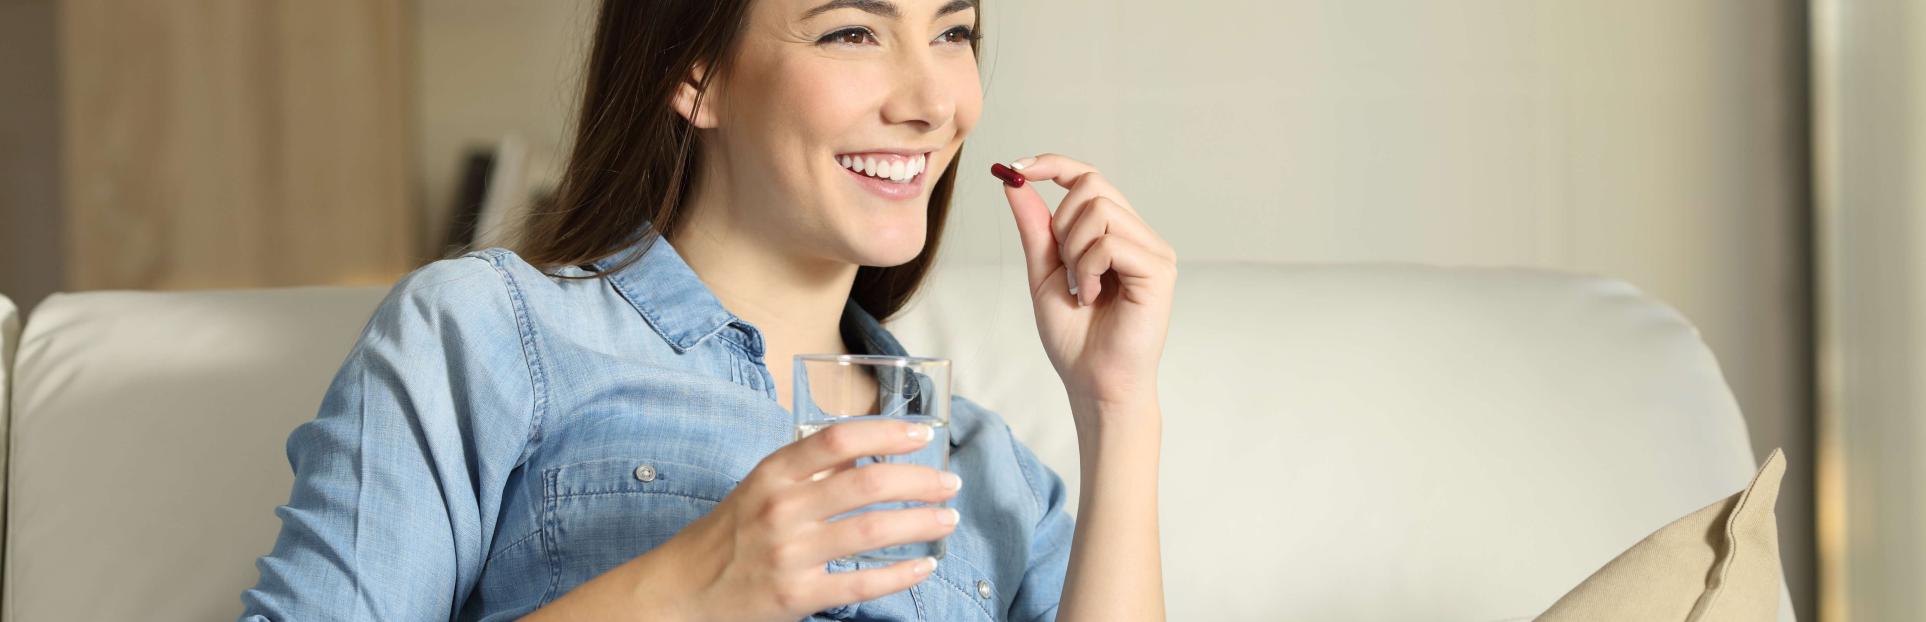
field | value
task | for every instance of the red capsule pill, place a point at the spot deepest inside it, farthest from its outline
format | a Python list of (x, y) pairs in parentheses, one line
[(1009, 175)]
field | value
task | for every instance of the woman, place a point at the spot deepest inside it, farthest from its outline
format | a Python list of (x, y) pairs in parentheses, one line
[(591, 427)]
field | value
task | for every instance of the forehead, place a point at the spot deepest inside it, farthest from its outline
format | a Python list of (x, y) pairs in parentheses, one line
[(810, 9)]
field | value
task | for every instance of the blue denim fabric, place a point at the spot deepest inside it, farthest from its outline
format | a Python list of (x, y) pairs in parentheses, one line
[(478, 454)]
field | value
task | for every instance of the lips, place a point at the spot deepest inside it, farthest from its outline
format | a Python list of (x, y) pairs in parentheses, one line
[(892, 175)]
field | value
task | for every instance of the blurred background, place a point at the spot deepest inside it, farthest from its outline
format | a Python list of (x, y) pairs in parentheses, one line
[(1755, 164)]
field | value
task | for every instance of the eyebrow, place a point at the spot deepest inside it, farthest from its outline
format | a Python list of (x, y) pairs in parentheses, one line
[(884, 8)]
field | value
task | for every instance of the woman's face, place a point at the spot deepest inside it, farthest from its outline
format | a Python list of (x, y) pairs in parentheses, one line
[(888, 86)]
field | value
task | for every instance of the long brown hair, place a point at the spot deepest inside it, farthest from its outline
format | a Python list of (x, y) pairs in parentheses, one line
[(632, 164)]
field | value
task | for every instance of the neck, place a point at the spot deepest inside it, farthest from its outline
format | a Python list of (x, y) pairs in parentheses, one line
[(795, 301)]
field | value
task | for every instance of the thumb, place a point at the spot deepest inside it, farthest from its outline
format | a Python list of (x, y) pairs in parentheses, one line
[(1033, 226)]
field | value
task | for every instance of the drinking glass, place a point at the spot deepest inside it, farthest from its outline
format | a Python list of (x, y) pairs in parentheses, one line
[(840, 388)]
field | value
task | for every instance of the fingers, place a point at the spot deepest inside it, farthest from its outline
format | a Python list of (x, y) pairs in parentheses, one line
[(874, 583), (1132, 260), (1091, 211), (883, 528), (839, 444), (1061, 170), (875, 483), (1032, 215), (1040, 231), (1083, 189), (1099, 217)]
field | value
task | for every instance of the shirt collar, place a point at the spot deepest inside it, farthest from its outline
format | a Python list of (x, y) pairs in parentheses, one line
[(668, 294), (680, 307)]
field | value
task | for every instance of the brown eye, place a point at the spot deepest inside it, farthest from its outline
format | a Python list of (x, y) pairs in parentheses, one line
[(848, 36), (959, 34)]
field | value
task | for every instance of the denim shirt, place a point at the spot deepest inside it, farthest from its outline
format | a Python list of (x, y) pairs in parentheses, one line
[(498, 436)]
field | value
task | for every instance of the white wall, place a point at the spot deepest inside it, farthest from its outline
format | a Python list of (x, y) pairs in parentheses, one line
[(1657, 141)]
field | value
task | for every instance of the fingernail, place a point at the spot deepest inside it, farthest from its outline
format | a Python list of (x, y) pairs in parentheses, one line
[(1019, 164), (1072, 277), (928, 565), (949, 516), (921, 432), (952, 482), (1009, 175)]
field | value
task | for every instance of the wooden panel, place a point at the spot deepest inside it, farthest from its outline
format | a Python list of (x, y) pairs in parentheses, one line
[(30, 218), (235, 143)]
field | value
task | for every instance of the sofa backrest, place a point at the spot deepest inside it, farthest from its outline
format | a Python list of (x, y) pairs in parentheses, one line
[(1342, 442), (1384, 442), (149, 445)]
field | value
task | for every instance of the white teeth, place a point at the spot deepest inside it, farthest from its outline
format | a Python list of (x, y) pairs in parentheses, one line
[(899, 171)]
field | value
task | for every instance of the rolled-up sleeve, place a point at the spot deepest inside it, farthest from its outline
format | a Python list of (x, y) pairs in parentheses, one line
[(400, 477), (1037, 597)]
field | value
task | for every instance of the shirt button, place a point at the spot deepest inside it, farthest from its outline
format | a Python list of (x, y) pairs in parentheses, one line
[(983, 588), (645, 473)]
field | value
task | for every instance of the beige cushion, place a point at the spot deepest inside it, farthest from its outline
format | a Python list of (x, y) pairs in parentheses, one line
[(1718, 564)]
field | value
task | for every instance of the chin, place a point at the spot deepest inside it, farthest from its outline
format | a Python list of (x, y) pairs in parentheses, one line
[(890, 248)]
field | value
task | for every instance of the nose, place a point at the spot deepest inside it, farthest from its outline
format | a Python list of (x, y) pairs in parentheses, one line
[(920, 96)]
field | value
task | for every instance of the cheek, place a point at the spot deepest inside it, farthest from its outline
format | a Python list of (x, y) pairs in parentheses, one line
[(966, 83), (821, 103)]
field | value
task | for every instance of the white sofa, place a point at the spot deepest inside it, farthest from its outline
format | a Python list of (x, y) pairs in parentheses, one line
[(1342, 442)]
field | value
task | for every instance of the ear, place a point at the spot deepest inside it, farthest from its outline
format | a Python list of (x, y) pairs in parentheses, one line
[(685, 100)]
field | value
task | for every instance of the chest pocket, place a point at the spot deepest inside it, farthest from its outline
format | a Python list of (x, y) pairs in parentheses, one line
[(601, 513), (960, 590)]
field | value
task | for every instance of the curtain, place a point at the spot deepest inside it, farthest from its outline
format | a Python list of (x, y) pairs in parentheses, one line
[(1869, 82)]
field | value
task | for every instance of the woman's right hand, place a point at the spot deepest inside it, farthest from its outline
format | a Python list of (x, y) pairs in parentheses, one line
[(763, 552)]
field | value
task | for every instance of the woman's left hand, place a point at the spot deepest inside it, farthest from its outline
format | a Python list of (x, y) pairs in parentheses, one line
[(1105, 340)]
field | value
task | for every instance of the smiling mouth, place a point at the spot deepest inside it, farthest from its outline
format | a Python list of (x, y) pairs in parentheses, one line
[(890, 167)]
